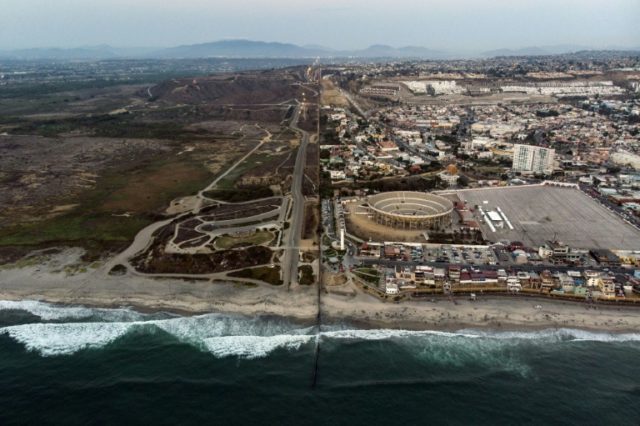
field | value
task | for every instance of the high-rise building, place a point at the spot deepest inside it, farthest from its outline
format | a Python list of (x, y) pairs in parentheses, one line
[(533, 159)]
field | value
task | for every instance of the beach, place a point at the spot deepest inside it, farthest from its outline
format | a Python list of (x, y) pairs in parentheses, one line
[(49, 280)]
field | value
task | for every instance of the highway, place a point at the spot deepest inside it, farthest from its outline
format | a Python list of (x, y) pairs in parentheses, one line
[(292, 251)]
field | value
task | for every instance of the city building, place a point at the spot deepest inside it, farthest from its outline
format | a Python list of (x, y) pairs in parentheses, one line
[(533, 159)]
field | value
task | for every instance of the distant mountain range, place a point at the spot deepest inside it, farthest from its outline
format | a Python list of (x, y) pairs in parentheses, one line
[(259, 49), (537, 50)]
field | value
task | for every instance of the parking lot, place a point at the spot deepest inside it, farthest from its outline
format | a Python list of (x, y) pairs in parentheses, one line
[(470, 255), (544, 213)]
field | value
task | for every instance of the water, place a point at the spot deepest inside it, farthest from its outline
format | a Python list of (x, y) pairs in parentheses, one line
[(91, 366)]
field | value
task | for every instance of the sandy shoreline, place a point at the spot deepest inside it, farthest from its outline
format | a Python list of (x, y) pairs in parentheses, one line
[(346, 305), (488, 313)]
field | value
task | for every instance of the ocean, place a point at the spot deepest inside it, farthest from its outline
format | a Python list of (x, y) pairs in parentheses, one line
[(76, 365)]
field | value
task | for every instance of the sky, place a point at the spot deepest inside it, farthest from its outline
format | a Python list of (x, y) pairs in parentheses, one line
[(453, 25)]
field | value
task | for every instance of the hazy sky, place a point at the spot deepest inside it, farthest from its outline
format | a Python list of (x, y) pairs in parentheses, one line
[(441, 24)]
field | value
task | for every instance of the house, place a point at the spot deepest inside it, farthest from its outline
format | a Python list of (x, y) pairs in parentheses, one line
[(391, 252), (454, 273), (438, 274), (424, 275), (559, 252), (535, 280), (525, 278), (513, 284), (337, 174), (391, 288), (405, 273), (566, 283), (607, 286), (547, 282), (387, 146), (370, 250), (590, 275)]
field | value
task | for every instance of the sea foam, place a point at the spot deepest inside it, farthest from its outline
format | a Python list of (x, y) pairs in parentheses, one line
[(49, 312), (245, 337), (251, 347), (65, 339), (547, 335), (221, 335)]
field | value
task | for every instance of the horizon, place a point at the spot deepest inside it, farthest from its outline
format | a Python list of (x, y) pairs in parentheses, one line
[(331, 48), (463, 26), (255, 49)]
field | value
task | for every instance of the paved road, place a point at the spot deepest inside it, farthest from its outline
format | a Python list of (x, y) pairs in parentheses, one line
[(291, 256), (514, 268)]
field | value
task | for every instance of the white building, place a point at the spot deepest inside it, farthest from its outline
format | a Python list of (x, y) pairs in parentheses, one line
[(450, 179), (391, 288), (533, 159), (337, 174), (626, 158)]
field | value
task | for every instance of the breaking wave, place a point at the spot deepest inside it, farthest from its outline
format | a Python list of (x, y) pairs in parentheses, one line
[(221, 335), (65, 339), (49, 312), (251, 347), (249, 338), (546, 335)]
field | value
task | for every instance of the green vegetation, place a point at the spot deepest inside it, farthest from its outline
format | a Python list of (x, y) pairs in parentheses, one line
[(306, 275), (22, 263), (240, 195), (370, 275), (76, 227), (412, 183), (253, 239), (330, 253), (270, 275), (111, 126), (229, 181), (140, 190), (245, 284), (41, 89)]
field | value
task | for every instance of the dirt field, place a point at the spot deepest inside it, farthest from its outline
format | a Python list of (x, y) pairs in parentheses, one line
[(332, 96)]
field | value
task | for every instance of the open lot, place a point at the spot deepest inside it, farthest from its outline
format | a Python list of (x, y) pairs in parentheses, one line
[(332, 96), (542, 213)]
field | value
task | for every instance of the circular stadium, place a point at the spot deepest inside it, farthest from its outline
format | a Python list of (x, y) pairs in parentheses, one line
[(410, 210)]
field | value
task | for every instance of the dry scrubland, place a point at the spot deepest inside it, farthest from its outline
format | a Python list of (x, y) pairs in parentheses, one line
[(91, 167)]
